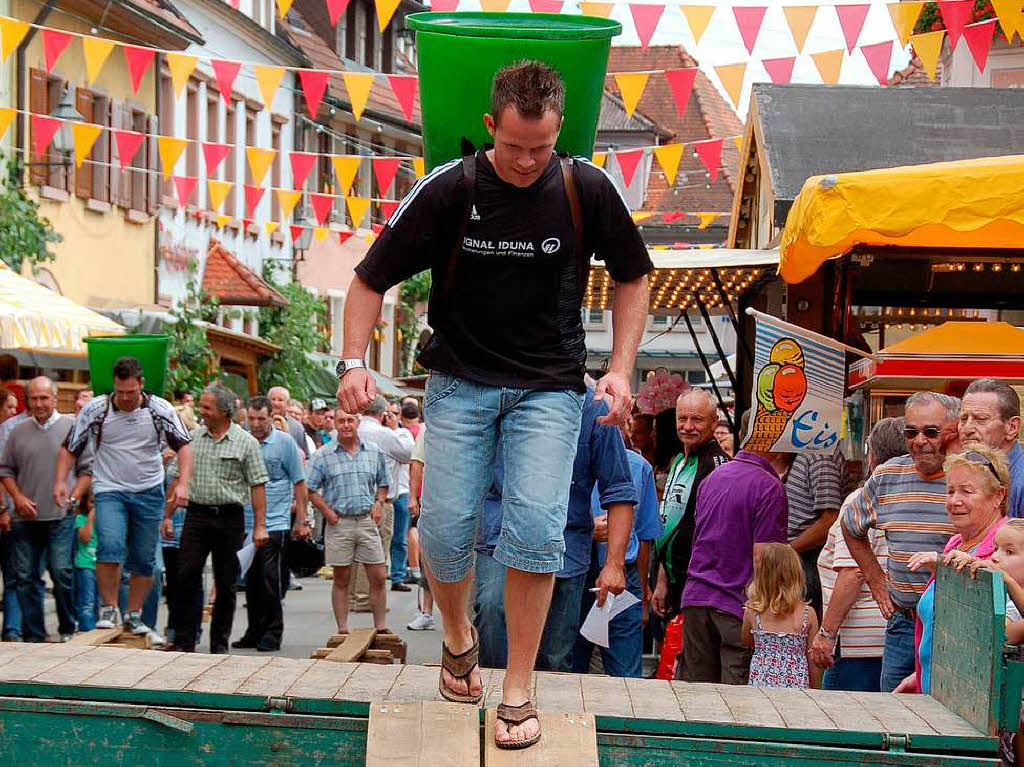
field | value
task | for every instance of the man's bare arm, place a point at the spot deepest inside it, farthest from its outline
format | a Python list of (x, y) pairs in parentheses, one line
[(814, 536), (629, 317), (362, 307)]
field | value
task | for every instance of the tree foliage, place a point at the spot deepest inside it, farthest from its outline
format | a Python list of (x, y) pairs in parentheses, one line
[(24, 234), (414, 291), (191, 358)]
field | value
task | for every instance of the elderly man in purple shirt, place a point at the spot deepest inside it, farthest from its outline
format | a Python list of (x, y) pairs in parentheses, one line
[(740, 506)]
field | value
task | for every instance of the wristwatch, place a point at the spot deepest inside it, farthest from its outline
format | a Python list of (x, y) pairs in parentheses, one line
[(346, 365), (827, 634)]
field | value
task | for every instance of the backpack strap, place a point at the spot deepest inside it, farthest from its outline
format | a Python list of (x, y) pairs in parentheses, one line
[(469, 184), (572, 192)]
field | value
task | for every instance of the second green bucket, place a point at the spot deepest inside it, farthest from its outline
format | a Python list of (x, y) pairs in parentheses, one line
[(458, 54), (149, 349)]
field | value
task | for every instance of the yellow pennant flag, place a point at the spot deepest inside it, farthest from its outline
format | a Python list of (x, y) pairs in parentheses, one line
[(357, 207), (223, 221), (632, 85), (346, 166), (738, 140), (217, 191), (640, 215), (181, 66), (96, 50), (829, 64), (904, 17), (170, 150), (732, 76), (6, 118), (603, 10), (1011, 16), (271, 227), (929, 47), (385, 10), (358, 85), (419, 166), (669, 156), (320, 233), (705, 246), (282, 7), (83, 136), (800, 18), (12, 32), (268, 78), (368, 238), (698, 17), (259, 163), (494, 6), (287, 200), (599, 158), (707, 219)]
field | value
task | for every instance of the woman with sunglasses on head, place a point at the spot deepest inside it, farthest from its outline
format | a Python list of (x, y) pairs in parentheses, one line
[(976, 481)]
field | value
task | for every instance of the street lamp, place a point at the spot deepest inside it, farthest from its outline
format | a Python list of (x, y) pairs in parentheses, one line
[(63, 141)]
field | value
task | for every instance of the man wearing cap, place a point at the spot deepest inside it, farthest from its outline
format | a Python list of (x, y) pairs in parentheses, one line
[(314, 425)]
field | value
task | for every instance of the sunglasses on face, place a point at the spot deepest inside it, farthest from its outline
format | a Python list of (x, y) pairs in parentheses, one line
[(930, 432)]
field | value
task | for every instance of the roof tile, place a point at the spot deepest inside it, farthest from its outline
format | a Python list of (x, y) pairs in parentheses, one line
[(234, 283)]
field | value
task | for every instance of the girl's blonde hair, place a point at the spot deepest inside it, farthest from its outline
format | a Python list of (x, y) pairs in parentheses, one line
[(778, 582)]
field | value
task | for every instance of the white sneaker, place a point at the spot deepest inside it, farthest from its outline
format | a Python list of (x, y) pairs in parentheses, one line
[(422, 622), (110, 617), (155, 639)]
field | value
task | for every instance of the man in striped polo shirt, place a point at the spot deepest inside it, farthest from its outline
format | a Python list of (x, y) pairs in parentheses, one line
[(906, 499)]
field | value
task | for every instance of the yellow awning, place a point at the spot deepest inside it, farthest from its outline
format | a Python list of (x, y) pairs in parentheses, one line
[(975, 339), (34, 318), (963, 204)]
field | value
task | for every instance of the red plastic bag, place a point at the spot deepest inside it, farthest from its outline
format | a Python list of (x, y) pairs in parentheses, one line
[(670, 647)]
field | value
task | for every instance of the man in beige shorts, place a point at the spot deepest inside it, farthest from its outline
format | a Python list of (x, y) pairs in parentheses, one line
[(348, 482)]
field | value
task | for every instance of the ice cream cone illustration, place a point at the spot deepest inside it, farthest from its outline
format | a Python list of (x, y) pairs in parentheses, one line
[(781, 387)]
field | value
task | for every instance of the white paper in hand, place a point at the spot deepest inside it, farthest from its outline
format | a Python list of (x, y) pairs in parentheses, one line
[(595, 627), (245, 556)]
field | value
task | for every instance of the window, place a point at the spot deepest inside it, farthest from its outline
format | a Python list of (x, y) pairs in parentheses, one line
[(92, 179), (387, 49), (593, 319), (351, 33), (44, 95), (369, 24), (192, 128), (139, 183), (250, 138), (212, 114), (167, 106), (230, 137), (257, 11), (696, 376), (275, 168)]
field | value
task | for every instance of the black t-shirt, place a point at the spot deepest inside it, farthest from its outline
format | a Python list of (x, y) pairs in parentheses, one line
[(511, 316)]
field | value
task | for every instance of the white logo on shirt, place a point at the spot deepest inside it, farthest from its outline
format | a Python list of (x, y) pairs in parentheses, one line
[(551, 245), (473, 215)]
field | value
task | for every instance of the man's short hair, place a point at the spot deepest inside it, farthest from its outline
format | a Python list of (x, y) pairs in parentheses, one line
[(531, 87), (886, 439), (224, 398), (410, 410), (1009, 401), (259, 402), (950, 404), (703, 394), (127, 367), (378, 406)]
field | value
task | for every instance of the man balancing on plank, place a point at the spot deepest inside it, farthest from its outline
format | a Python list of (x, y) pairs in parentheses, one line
[(508, 234)]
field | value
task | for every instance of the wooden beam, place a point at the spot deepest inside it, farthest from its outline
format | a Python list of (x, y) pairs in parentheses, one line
[(95, 637), (352, 649), (423, 734)]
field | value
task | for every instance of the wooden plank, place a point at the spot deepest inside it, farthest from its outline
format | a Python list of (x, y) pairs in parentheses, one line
[(352, 649), (797, 709), (134, 667), (567, 740), (605, 696), (40, 659), (368, 682), (415, 683), (180, 673), (276, 677), (138, 641), (894, 716), (750, 706), (559, 692), (76, 670), (702, 702), (653, 699), (321, 680), (845, 711), (228, 676), (422, 734), (940, 718), (492, 685), (95, 637)]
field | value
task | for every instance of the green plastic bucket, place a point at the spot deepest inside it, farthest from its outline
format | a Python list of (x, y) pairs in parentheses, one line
[(149, 349), (458, 54)]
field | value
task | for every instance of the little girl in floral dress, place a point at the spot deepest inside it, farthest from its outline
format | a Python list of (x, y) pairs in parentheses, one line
[(777, 622)]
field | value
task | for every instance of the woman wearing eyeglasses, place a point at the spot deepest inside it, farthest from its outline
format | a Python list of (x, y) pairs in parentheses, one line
[(976, 487)]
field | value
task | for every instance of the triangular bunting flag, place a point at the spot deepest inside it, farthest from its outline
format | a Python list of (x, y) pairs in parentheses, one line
[(216, 192), (253, 195), (979, 41), (314, 83), (6, 118), (344, 237), (706, 219), (287, 201), (955, 15), (246, 222), (259, 162), (494, 6), (904, 17), (738, 141), (1010, 13), (632, 85), (214, 154), (302, 163), (385, 11), (181, 65), (83, 136), (226, 72), (732, 76), (928, 46), (335, 8), (169, 149), (358, 85), (138, 60), (12, 32), (800, 18), (599, 158), (54, 43), (222, 221), (629, 160), (271, 227), (384, 170), (321, 206), (640, 215), (698, 17), (780, 70), (44, 128), (672, 216), (851, 21), (646, 17), (419, 166), (283, 6), (357, 207), (404, 88), (296, 232), (388, 208), (601, 10), (710, 153), (668, 157), (829, 65), (127, 143), (95, 50), (878, 57), (185, 186), (680, 83), (268, 78), (748, 20), (320, 233), (444, 6), (546, 6), (346, 166)]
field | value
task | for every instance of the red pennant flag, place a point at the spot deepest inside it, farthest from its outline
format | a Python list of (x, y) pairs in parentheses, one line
[(388, 208), (384, 170), (851, 20), (628, 162), (246, 222), (335, 8), (780, 70), (214, 155), (138, 60), (979, 40), (314, 84), (546, 6), (225, 71), (253, 195), (404, 88), (44, 128), (344, 237), (321, 206), (302, 164), (673, 216), (710, 153), (878, 57), (748, 19), (185, 186), (54, 43), (680, 82), (296, 232), (955, 15), (128, 143), (646, 18), (444, 6), (376, 228)]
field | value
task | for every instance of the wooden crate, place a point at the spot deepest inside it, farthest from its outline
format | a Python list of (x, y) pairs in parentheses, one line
[(363, 646)]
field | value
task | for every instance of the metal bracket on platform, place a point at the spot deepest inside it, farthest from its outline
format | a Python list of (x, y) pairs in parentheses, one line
[(278, 704), (898, 743)]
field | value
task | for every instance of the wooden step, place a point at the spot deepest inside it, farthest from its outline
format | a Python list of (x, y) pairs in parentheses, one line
[(352, 649), (423, 734), (567, 740), (96, 637)]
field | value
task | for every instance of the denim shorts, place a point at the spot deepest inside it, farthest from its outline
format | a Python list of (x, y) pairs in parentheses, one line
[(536, 432), (127, 528)]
